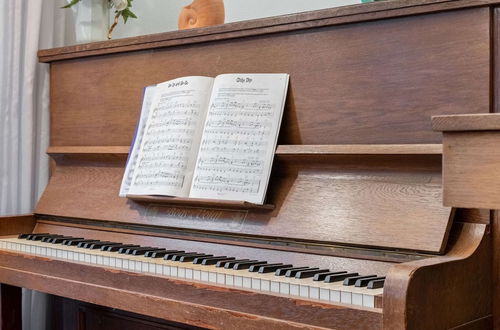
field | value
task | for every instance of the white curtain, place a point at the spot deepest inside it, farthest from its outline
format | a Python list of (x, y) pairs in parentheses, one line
[(25, 27)]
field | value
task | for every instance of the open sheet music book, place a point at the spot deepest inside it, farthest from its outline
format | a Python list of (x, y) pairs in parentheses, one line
[(203, 137)]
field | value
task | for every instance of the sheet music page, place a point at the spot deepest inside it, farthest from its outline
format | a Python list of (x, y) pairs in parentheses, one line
[(167, 155), (147, 98), (239, 137)]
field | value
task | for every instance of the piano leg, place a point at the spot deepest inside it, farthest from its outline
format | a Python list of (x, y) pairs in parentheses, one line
[(10, 307)]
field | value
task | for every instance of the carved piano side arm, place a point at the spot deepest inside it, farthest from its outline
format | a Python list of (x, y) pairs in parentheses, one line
[(445, 291)]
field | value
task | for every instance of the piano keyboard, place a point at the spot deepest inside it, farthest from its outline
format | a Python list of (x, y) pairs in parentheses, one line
[(275, 278)]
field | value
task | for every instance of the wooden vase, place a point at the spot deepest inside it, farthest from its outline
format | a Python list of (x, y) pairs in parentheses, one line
[(202, 13)]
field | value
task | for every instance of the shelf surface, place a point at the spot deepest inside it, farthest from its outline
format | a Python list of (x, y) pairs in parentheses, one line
[(360, 149), (468, 122), (88, 150), (200, 202)]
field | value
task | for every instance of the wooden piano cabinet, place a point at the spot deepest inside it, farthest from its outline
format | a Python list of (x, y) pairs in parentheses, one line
[(433, 285), (471, 173), (11, 296), (356, 183)]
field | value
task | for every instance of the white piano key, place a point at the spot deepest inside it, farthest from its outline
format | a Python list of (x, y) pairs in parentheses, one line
[(212, 277), (368, 301), (256, 283), (334, 295), (204, 276), (173, 271), (304, 291), (229, 280), (238, 281), (314, 293), (259, 282), (357, 299), (345, 297), (265, 285), (247, 282), (284, 288), (275, 287)]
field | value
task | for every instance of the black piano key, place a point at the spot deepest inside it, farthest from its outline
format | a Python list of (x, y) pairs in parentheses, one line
[(292, 272), (376, 284), (99, 245), (124, 248), (255, 268), (339, 277), (31, 236), (247, 264), (83, 243), (37, 237), (72, 241), (23, 236), (282, 271), (211, 261), (200, 260), (173, 256), (364, 281), (309, 273), (160, 253), (178, 257), (59, 240), (134, 250), (230, 264), (321, 276), (352, 279), (140, 252), (48, 239), (116, 248), (271, 268), (191, 258)]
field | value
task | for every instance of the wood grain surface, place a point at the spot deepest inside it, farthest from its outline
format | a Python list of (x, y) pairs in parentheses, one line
[(333, 97), (370, 206), (176, 300), (17, 224), (446, 291), (471, 174), (325, 17), (466, 122)]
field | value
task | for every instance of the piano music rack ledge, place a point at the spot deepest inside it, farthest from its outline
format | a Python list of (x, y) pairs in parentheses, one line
[(199, 202)]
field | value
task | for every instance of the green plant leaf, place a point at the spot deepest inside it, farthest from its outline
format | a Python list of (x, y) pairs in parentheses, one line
[(72, 3), (126, 13)]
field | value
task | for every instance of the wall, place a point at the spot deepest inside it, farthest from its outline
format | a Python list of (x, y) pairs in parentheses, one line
[(156, 16)]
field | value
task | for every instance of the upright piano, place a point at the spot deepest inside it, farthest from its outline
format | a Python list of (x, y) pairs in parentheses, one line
[(354, 235)]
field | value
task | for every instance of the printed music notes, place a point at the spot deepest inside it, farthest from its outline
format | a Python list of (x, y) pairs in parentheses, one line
[(171, 137), (218, 146), (239, 139)]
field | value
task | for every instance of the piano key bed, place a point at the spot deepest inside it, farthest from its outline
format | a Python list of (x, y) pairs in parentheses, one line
[(327, 286)]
